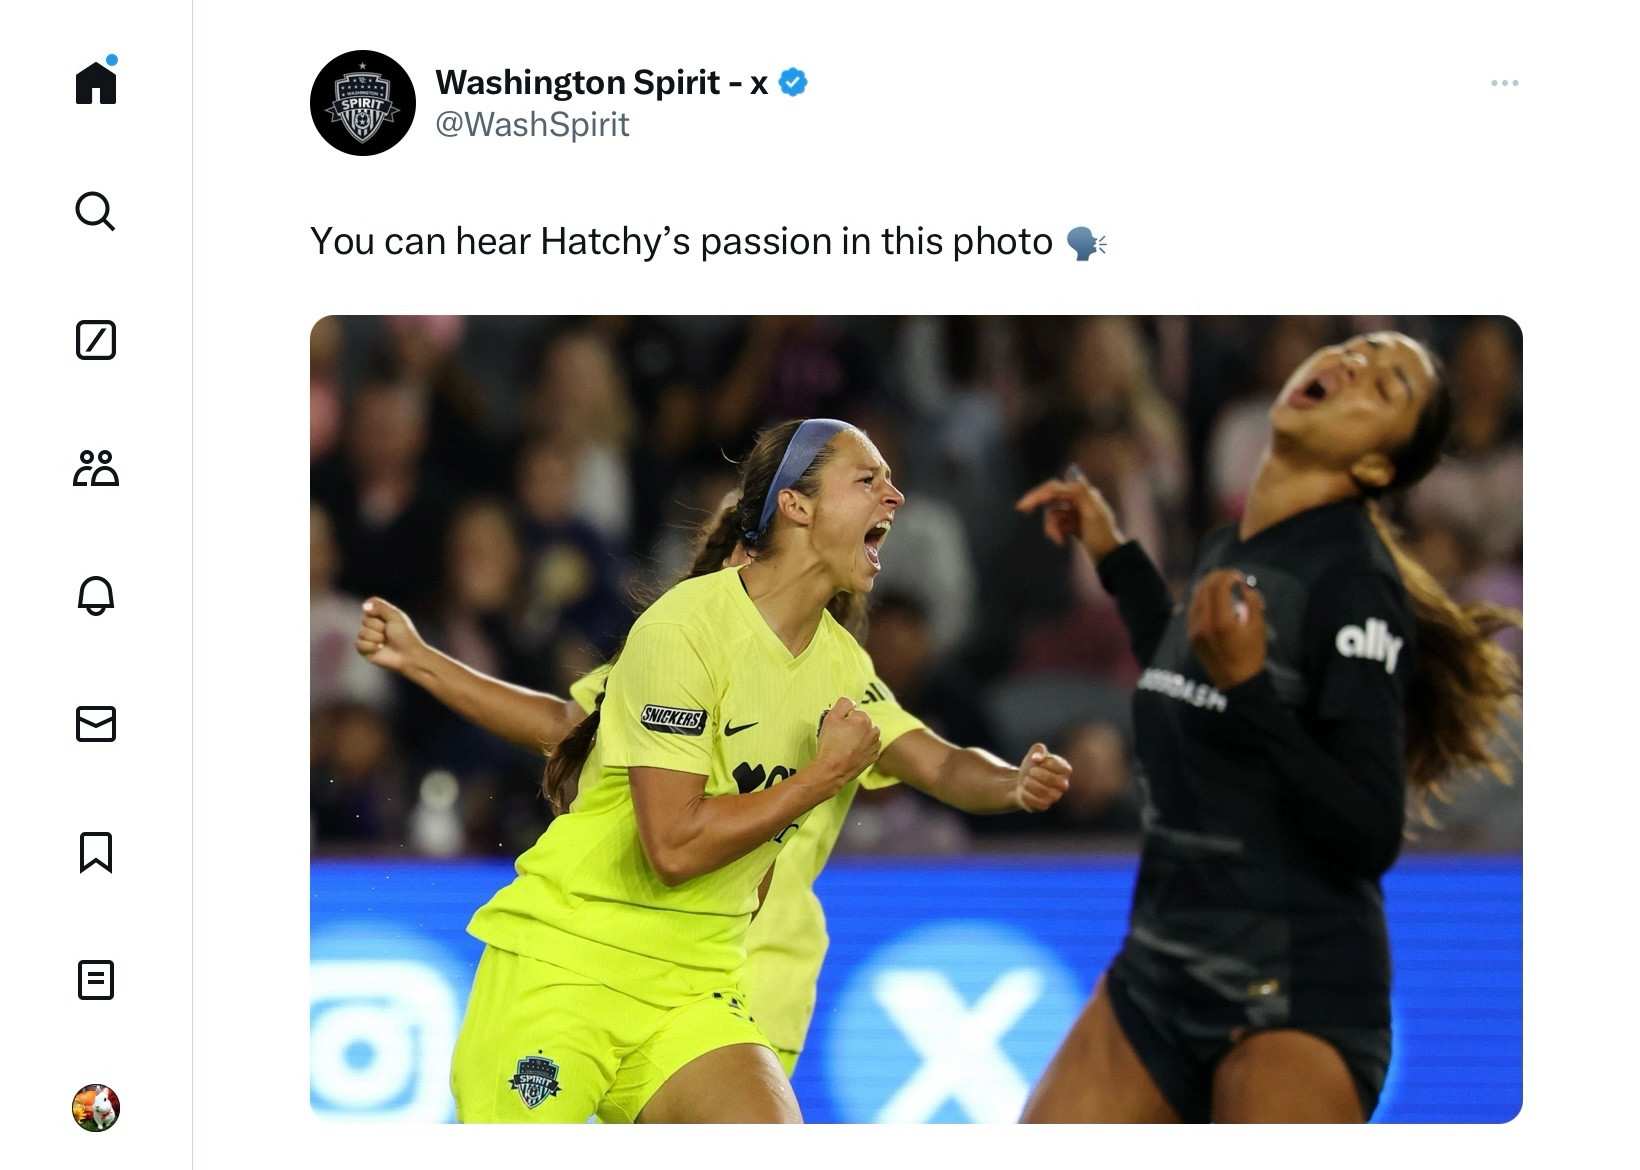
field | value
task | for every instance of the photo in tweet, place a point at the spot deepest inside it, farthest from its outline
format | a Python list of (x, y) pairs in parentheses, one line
[(1150, 631)]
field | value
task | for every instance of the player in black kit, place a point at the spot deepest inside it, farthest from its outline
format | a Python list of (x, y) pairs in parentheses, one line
[(1316, 673)]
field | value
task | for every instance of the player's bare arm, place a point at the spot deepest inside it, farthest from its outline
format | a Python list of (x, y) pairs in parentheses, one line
[(532, 720), (1073, 509), (686, 833), (974, 780)]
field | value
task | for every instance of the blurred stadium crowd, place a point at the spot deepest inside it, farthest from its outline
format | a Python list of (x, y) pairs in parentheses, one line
[(519, 484)]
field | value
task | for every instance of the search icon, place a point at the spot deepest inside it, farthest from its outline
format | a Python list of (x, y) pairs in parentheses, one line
[(96, 199)]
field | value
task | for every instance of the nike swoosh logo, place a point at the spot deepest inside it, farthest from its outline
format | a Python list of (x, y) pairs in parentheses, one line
[(731, 729)]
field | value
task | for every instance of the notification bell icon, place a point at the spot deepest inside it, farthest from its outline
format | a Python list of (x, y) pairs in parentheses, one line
[(96, 595)]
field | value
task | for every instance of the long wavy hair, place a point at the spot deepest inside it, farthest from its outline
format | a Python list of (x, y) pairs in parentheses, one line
[(1465, 684), (715, 544)]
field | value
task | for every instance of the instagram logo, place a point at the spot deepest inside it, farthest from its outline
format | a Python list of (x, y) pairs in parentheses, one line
[(381, 1035)]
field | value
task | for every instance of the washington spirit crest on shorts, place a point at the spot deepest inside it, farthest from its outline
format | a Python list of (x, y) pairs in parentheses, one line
[(363, 102), (535, 1080)]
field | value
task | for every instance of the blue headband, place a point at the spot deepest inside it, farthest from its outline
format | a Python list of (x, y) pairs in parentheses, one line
[(811, 435)]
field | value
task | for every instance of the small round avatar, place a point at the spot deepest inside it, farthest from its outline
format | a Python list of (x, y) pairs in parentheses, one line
[(363, 102), (96, 1108)]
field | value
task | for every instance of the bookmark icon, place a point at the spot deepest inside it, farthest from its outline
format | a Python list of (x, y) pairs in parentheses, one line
[(97, 850)]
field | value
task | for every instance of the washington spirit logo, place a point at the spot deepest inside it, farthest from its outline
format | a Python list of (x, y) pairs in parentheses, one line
[(535, 1080), (362, 102)]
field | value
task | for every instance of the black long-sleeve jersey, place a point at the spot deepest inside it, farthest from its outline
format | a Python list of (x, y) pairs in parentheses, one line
[(1273, 808)]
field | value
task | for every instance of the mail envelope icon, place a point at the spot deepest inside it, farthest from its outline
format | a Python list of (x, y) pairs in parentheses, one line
[(94, 724)]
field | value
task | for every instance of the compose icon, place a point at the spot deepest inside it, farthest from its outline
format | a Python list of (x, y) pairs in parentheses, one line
[(97, 850), (96, 978), (94, 340)]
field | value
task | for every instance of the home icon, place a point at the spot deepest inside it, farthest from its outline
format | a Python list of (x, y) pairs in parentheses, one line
[(95, 76)]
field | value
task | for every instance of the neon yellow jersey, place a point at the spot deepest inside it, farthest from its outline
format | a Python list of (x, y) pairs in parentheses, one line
[(586, 689), (787, 941), (703, 686)]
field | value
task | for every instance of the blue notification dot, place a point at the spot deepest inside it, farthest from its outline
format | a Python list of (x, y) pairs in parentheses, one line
[(113, 59)]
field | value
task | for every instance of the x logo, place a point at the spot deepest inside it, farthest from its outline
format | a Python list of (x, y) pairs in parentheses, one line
[(959, 1045), (760, 84)]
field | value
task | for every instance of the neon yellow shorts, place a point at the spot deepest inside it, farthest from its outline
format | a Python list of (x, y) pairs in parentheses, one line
[(542, 1044)]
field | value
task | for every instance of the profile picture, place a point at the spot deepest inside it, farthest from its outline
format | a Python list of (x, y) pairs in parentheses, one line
[(362, 102), (96, 1107)]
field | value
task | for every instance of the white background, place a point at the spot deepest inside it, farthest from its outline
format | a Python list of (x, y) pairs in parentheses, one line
[(134, 657), (1254, 158)]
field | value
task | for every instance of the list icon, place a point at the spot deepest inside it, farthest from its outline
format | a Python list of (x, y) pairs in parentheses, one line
[(94, 340), (96, 978)]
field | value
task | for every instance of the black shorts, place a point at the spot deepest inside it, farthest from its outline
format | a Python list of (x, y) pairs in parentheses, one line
[(1181, 1048)]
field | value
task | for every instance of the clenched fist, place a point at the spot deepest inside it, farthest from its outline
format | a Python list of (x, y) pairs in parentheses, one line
[(1226, 623), (1042, 779), (386, 637), (849, 741)]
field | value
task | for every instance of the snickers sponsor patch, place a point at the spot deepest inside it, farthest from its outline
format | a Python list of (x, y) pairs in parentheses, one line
[(673, 720)]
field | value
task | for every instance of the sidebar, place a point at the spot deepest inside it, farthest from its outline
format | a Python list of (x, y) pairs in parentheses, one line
[(97, 592)]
